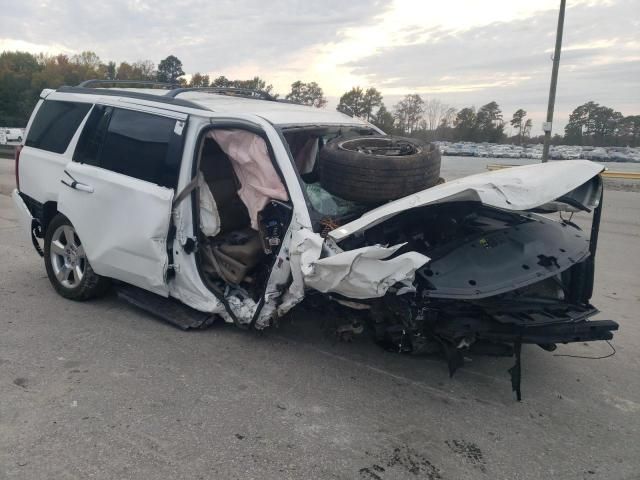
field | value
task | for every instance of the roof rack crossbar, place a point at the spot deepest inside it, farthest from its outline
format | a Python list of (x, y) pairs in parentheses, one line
[(92, 82), (247, 92)]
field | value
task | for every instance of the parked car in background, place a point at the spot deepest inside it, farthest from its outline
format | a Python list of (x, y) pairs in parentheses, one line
[(207, 203), (8, 135)]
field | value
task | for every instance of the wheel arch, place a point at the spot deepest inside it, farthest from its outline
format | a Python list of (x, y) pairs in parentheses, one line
[(49, 211)]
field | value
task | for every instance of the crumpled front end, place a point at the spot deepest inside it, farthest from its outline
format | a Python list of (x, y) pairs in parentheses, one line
[(471, 269)]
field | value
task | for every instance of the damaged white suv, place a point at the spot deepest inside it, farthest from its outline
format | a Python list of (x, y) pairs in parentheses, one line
[(214, 200)]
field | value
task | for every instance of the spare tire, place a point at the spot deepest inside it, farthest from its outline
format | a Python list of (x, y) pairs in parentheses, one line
[(375, 169)]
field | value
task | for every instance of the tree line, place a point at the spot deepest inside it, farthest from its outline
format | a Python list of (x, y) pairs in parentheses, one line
[(24, 75)]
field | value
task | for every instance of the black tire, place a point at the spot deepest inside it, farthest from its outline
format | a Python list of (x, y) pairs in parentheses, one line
[(376, 169), (90, 284)]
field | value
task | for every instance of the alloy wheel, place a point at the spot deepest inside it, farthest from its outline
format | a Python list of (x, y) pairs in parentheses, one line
[(67, 256)]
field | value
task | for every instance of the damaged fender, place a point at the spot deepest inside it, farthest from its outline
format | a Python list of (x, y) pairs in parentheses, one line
[(366, 272)]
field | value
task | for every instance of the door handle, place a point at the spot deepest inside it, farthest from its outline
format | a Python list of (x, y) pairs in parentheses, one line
[(83, 187)]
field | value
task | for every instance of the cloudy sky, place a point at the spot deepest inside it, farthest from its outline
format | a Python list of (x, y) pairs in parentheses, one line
[(462, 52)]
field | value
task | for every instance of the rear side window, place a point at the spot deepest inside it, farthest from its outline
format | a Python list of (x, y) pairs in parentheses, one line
[(54, 125), (137, 144)]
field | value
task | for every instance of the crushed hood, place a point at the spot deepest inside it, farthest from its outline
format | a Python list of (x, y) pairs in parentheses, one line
[(524, 188)]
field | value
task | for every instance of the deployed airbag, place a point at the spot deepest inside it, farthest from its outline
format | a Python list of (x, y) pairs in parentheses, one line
[(252, 165), (209, 216)]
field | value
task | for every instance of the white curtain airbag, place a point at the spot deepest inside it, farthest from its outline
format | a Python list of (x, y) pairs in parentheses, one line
[(209, 217)]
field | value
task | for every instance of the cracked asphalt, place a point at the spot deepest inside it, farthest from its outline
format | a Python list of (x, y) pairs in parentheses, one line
[(102, 390)]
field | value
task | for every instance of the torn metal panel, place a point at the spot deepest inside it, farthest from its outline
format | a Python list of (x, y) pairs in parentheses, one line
[(242, 306), (267, 312), (518, 189), (366, 272), (244, 309), (304, 248)]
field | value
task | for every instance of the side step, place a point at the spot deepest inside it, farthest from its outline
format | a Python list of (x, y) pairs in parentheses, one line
[(167, 309)]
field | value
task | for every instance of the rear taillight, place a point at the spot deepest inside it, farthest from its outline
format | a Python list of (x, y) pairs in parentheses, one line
[(17, 156)]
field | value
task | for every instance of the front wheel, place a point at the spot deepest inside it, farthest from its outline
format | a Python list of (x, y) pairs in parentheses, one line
[(67, 265)]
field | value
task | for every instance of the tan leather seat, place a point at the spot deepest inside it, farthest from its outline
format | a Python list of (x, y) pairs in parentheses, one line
[(237, 249), (236, 254), (219, 175)]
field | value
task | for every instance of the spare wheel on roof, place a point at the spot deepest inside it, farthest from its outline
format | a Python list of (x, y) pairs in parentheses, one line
[(375, 169)]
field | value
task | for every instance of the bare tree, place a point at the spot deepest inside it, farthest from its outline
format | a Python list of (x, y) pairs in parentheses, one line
[(146, 69), (434, 110), (408, 112), (448, 117)]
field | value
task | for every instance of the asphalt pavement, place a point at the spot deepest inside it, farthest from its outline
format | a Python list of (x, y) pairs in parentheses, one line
[(102, 390)]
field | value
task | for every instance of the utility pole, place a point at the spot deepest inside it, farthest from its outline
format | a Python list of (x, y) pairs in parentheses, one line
[(546, 126)]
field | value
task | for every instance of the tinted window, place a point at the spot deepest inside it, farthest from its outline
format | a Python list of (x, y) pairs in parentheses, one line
[(54, 125), (140, 145), (92, 136)]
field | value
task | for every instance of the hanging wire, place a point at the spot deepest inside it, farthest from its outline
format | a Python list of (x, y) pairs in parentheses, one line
[(613, 352), (564, 219)]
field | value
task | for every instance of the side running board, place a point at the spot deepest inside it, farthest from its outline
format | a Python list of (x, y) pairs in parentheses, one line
[(167, 309)]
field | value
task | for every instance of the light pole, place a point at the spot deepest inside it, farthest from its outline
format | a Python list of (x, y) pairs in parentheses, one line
[(546, 126)]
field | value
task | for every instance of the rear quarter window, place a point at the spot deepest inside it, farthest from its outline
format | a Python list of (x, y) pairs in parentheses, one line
[(55, 124)]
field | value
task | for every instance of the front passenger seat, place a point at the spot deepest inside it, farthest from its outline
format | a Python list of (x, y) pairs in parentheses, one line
[(237, 249)]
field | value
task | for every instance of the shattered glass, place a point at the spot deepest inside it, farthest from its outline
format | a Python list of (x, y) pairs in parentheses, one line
[(327, 204)]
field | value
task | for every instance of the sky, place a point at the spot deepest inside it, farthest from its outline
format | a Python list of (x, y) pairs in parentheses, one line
[(461, 52)]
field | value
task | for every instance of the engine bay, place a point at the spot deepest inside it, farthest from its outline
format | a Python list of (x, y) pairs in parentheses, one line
[(477, 251)]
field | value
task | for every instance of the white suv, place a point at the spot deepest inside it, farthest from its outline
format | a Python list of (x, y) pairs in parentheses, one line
[(209, 199)]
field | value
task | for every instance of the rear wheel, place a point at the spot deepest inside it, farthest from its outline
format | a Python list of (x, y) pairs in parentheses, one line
[(68, 268)]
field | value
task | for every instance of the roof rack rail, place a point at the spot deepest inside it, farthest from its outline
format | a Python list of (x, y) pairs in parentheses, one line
[(92, 82), (129, 94), (244, 92)]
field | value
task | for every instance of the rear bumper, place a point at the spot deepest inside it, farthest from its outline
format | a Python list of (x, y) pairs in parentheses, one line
[(25, 219), (24, 215)]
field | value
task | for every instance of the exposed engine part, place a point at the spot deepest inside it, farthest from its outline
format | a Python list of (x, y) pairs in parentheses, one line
[(346, 332), (351, 304)]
